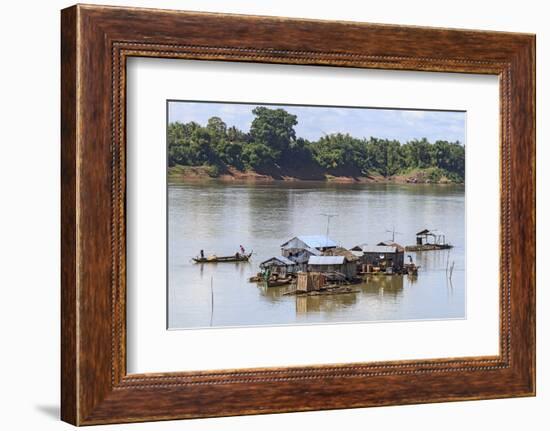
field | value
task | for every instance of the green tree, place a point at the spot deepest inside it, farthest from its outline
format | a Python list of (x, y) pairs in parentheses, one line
[(256, 155), (273, 128), (457, 159), (383, 156), (337, 151), (416, 154), (179, 138), (217, 128)]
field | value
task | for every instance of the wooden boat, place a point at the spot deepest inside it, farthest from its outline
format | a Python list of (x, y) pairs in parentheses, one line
[(221, 259), (279, 282), (256, 278)]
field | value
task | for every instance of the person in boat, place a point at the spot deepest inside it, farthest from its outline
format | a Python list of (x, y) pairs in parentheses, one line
[(242, 249), (202, 254), (237, 255)]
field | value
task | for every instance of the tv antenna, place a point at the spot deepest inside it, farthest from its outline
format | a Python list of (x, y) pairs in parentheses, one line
[(328, 216), (393, 233)]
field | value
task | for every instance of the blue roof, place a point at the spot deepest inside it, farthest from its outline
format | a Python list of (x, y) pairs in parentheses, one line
[(314, 241), (317, 241)]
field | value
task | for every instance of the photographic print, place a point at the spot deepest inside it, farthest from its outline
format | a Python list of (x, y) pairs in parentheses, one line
[(300, 214)]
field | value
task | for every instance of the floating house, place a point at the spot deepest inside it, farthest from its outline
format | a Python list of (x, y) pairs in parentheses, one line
[(430, 237), (336, 267), (429, 240), (399, 260), (306, 242), (301, 248), (301, 257), (279, 265), (387, 258)]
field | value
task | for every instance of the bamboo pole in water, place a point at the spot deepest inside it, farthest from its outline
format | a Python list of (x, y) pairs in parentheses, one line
[(211, 300)]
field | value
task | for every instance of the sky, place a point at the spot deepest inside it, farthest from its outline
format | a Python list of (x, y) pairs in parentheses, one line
[(316, 121)]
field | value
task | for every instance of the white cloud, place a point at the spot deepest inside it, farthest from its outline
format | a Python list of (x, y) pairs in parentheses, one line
[(413, 115), (314, 122)]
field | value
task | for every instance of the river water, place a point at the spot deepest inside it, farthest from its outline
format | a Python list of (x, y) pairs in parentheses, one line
[(219, 217)]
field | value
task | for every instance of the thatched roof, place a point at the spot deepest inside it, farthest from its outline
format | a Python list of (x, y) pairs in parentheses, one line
[(341, 251), (399, 247)]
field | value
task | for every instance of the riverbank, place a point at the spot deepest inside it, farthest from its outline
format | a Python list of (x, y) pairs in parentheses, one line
[(180, 173)]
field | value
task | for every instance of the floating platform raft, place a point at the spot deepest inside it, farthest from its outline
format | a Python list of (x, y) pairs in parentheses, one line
[(428, 240), (279, 282)]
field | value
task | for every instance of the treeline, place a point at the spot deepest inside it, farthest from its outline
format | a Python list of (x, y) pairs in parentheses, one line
[(271, 143)]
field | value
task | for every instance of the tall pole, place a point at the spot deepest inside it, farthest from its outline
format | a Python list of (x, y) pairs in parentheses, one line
[(328, 216), (211, 300), (393, 232)]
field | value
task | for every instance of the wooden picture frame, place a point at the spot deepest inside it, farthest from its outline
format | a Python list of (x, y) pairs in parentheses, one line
[(95, 43)]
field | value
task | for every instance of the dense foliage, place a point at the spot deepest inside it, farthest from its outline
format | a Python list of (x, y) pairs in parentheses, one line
[(272, 143)]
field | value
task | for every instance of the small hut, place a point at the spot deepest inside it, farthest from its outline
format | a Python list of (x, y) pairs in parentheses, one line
[(338, 266), (310, 281), (399, 260), (430, 237), (279, 265), (384, 257)]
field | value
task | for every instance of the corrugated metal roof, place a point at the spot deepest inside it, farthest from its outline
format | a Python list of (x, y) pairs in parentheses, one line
[(326, 260), (392, 244), (378, 249), (313, 251), (282, 259), (317, 241), (314, 241)]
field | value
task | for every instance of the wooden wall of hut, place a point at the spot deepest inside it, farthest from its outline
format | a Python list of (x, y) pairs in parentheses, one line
[(310, 281)]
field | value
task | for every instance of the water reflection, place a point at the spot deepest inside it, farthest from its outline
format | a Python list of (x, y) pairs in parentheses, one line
[(384, 284), (240, 268), (324, 304)]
